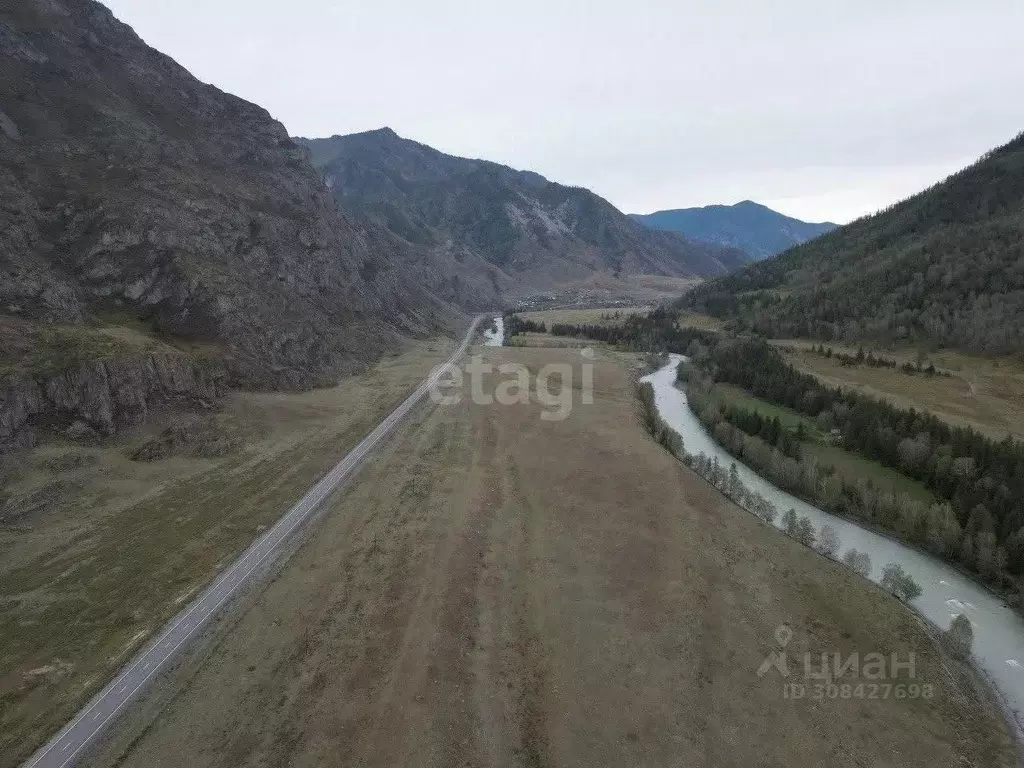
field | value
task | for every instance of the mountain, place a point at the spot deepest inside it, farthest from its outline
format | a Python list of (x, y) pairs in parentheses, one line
[(480, 230), (942, 268), (130, 188), (749, 226), (161, 239)]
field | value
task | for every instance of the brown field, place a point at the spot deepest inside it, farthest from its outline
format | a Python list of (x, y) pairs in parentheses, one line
[(982, 393), (547, 341), (112, 547), (496, 589), (647, 288), (697, 320), (602, 289)]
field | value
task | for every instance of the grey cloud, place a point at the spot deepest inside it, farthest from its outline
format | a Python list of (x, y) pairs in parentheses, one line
[(833, 108)]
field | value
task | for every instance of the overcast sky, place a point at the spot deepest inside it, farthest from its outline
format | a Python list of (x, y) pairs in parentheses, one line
[(824, 109)]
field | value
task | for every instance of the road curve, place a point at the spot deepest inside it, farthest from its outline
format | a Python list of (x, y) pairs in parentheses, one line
[(91, 721)]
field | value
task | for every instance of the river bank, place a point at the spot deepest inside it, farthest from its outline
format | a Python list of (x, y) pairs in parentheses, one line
[(999, 631)]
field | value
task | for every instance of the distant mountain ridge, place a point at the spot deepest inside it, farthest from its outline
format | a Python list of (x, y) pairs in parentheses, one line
[(942, 268), (480, 230), (753, 228)]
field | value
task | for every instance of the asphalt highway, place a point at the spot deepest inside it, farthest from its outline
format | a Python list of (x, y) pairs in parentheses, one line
[(99, 713)]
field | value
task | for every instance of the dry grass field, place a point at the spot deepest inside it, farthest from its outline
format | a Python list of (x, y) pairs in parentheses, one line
[(642, 288), (982, 393), (703, 322), (110, 547), (496, 589), (604, 289), (614, 316), (588, 316), (664, 287), (547, 341)]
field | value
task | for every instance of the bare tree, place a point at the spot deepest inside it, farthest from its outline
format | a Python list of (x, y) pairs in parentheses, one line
[(899, 582), (805, 531), (828, 541), (858, 561), (960, 635)]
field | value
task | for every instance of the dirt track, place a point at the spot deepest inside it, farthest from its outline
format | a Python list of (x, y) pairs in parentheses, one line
[(500, 590)]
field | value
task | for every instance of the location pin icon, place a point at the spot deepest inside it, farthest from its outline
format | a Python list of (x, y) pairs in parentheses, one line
[(783, 634)]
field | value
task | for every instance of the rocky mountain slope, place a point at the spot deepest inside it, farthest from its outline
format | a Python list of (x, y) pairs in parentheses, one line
[(480, 230), (943, 268), (753, 228), (130, 192)]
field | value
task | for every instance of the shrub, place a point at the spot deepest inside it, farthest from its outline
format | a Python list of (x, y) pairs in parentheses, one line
[(959, 636), (899, 582)]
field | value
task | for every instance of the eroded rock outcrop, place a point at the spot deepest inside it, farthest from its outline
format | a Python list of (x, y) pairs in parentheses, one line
[(104, 396)]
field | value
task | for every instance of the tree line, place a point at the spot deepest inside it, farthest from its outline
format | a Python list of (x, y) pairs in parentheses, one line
[(768, 429), (979, 481), (872, 360), (826, 541), (657, 331), (516, 325)]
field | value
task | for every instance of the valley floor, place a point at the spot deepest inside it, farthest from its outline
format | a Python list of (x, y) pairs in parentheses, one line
[(496, 589), (107, 548), (984, 393)]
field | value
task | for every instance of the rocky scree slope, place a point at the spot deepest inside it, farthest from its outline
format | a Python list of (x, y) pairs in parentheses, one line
[(129, 187), (480, 230)]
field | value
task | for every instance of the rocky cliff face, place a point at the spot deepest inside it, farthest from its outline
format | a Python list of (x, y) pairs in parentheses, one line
[(127, 184), (103, 397), (476, 228)]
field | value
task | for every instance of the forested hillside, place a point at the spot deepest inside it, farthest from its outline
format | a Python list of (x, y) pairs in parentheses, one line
[(753, 228), (943, 268)]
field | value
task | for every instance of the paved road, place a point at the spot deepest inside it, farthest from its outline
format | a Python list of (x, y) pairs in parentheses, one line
[(69, 742)]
